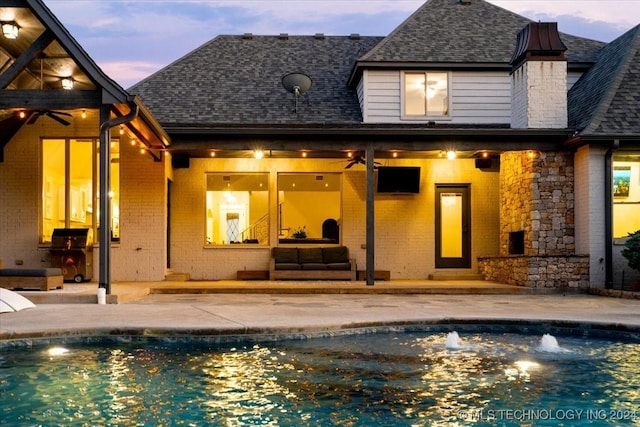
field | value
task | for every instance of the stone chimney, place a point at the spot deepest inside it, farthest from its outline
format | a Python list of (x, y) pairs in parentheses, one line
[(539, 78)]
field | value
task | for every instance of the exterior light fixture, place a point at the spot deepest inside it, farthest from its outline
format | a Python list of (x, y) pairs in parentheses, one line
[(10, 30), (304, 154), (22, 114), (84, 114), (67, 83), (121, 130), (395, 154), (451, 155), (258, 154), (212, 153)]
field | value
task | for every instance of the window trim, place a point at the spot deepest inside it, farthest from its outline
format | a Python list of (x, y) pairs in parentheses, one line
[(289, 240), (267, 214), (426, 117), (95, 141)]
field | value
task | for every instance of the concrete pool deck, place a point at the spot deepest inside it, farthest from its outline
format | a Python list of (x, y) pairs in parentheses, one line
[(263, 311)]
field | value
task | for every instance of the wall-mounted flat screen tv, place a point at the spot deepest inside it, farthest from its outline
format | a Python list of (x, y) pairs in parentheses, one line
[(398, 179)]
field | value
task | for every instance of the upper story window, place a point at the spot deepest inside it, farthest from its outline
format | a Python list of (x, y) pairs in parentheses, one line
[(425, 94)]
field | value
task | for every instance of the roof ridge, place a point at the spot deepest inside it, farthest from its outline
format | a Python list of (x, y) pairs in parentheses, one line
[(385, 40), (619, 74), (186, 55)]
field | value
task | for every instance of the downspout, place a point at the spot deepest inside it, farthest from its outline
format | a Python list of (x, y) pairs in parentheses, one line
[(608, 214), (105, 188)]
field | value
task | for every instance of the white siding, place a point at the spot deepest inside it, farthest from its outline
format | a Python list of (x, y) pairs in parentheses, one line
[(382, 98), (361, 94), (480, 97), (572, 78), (476, 97)]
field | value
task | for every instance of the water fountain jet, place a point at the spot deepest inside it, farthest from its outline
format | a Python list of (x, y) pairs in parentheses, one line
[(453, 340), (549, 343)]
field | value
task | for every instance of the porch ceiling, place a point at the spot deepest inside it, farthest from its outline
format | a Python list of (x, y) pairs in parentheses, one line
[(32, 67), (388, 142)]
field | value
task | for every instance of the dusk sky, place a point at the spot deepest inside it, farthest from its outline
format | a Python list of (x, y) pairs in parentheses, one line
[(132, 39)]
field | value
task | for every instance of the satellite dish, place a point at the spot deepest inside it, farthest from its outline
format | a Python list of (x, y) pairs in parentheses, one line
[(297, 84)]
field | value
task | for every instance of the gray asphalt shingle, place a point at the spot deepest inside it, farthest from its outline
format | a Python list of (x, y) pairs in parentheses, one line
[(236, 80), (606, 100), (446, 31)]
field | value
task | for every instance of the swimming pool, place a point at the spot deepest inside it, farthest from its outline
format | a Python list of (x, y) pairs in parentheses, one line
[(399, 378)]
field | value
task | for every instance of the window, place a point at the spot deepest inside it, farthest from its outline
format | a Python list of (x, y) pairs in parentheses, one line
[(626, 194), (69, 185), (309, 207), (237, 208), (426, 94)]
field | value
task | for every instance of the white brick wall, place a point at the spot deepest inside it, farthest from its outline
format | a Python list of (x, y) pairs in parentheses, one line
[(590, 223), (539, 95), (20, 187), (143, 204), (404, 224), (141, 253)]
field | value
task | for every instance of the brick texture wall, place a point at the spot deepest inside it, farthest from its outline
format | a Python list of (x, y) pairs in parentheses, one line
[(539, 95), (404, 224)]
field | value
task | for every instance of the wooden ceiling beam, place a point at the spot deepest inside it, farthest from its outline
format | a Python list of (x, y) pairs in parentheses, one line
[(50, 99), (21, 62)]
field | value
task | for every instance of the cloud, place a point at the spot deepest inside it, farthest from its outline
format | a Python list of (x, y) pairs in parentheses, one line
[(619, 14), (126, 73), (133, 38)]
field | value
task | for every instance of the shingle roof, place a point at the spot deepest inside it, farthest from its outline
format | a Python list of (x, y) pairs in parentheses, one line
[(606, 99), (447, 31), (237, 80)]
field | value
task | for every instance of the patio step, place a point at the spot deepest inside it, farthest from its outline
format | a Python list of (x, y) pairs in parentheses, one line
[(455, 276), (177, 277)]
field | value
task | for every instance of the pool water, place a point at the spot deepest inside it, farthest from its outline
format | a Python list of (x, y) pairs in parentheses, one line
[(378, 379)]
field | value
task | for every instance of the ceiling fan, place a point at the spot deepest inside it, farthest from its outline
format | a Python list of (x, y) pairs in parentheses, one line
[(358, 159), (49, 113)]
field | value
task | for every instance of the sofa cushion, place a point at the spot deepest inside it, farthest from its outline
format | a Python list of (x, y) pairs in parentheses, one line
[(31, 272), (310, 255), (335, 254), (315, 266), (287, 266), (339, 266), (285, 255)]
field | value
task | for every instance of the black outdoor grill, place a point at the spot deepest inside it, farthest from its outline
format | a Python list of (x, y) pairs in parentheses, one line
[(71, 252)]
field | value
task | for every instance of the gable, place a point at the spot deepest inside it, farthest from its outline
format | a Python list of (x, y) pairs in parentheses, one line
[(37, 61), (448, 31)]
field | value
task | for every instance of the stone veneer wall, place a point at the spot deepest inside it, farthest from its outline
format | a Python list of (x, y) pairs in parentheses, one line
[(537, 198), (537, 271)]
